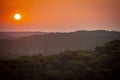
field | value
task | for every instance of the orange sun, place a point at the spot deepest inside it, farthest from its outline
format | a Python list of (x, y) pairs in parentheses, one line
[(17, 16)]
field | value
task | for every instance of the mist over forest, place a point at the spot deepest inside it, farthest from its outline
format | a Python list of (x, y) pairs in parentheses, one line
[(16, 44), (102, 63)]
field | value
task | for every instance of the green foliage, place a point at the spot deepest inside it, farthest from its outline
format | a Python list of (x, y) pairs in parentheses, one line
[(102, 64), (111, 48)]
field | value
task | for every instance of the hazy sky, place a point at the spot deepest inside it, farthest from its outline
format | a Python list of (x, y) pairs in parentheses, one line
[(59, 15)]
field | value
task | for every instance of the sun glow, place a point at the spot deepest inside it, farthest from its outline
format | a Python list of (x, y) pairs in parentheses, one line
[(17, 16)]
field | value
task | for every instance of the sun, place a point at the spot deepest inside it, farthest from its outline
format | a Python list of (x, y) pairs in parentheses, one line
[(17, 16)]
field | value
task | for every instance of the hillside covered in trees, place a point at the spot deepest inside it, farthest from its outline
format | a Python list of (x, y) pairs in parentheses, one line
[(103, 63), (13, 45)]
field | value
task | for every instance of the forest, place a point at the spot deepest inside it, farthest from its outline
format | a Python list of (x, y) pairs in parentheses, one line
[(16, 44), (103, 63)]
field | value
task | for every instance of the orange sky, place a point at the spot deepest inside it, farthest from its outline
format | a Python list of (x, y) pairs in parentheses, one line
[(59, 15)]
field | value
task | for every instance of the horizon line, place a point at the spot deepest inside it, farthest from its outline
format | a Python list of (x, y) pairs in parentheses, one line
[(60, 31)]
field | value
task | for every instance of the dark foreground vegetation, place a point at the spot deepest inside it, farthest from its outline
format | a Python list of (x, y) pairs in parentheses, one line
[(101, 64)]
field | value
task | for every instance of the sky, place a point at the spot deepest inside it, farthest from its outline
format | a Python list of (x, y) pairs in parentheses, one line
[(60, 15)]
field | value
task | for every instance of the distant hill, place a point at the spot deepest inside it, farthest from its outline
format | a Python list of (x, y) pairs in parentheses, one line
[(52, 43), (18, 34)]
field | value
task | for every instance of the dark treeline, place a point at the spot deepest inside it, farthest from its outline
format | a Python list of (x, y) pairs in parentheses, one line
[(101, 64)]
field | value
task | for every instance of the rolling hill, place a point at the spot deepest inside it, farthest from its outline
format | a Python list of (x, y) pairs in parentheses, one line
[(53, 43)]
